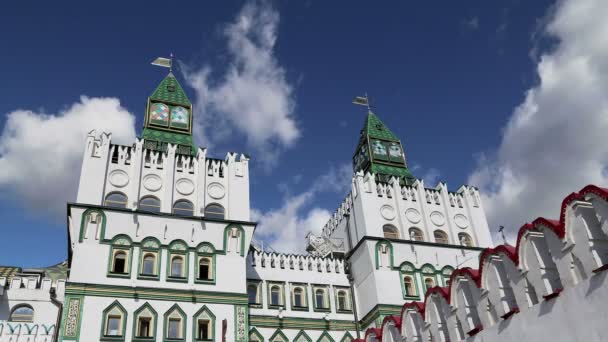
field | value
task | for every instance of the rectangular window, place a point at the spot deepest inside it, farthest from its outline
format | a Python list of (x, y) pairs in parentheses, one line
[(113, 326), (203, 330), (143, 329), (174, 328)]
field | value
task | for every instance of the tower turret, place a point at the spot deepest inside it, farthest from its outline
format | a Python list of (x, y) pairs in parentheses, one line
[(380, 152)]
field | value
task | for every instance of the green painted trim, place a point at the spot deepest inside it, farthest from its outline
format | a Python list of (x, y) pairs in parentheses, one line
[(280, 334), (143, 250), (376, 311), (326, 299), (428, 274), (325, 334), (67, 300), (347, 336), (181, 312), (390, 247), (246, 337), (414, 276), (136, 338), (128, 250), (82, 223), (242, 231), (265, 321), (196, 269), (303, 286), (102, 335), (302, 334), (204, 309), (171, 252), (348, 298), (150, 293), (269, 285), (254, 331)]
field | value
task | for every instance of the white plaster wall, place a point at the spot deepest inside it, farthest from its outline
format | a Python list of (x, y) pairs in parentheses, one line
[(313, 334)]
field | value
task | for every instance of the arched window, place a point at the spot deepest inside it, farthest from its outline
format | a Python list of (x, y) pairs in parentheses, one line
[(465, 239), (22, 313), (252, 292), (204, 269), (214, 211), (298, 297), (416, 234), (145, 320), (342, 300), (275, 295), (183, 208), (150, 203), (116, 200), (119, 263), (428, 283), (320, 298), (408, 284), (177, 267), (440, 237), (204, 321), (390, 232), (149, 264)]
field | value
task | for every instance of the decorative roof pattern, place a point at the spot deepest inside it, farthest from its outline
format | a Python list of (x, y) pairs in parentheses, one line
[(375, 128), (169, 137), (8, 272), (169, 90)]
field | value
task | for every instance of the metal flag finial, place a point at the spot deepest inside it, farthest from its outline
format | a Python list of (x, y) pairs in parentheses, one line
[(164, 62), (501, 230), (362, 101)]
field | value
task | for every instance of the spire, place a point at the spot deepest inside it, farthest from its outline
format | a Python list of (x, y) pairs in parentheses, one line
[(379, 151), (168, 118)]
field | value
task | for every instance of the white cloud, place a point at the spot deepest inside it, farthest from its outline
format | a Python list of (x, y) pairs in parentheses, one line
[(40, 154), (252, 97), (471, 24), (285, 228), (554, 143)]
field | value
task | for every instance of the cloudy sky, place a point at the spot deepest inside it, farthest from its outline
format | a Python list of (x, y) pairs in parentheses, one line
[(509, 95)]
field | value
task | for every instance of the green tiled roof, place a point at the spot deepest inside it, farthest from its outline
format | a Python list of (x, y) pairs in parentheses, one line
[(8, 272), (169, 137), (375, 128), (56, 272), (169, 90), (391, 170)]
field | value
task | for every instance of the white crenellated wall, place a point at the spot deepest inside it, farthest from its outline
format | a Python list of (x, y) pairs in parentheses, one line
[(138, 172), (550, 286), (371, 205), (37, 294)]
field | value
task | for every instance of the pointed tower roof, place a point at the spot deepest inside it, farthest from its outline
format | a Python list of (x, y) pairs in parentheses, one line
[(380, 152), (169, 90)]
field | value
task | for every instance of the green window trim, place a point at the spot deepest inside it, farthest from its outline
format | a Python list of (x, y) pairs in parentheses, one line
[(304, 287), (178, 248), (278, 333), (326, 298), (227, 237), (446, 273), (390, 251), (258, 293), (184, 323), (146, 246), (349, 300), (300, 335), (326, 335), (120, 243), (69, 299), (136, 321), (197, 280), (424, 274), (83, 221), (281, 286), (211, 316), (103, 336), (256, 333)]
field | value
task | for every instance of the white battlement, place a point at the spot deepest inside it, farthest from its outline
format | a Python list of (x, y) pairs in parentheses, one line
[(305, 263), (26, 332), (167, 176)]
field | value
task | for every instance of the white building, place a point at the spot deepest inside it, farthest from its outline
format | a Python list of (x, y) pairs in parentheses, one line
[(160, 249)]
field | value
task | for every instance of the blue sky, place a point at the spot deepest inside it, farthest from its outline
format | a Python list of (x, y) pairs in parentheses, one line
[(447, 77)]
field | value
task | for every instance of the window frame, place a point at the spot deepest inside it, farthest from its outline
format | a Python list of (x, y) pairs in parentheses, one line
[(445, 239), (199, 257), (105, 200), (17, 307), (182, 200), (469, 238), (120, 244), (145, 249), (408, 269), (304, 288), (178, 248), (409, 232), (395, 233), (258, 294), (196, 319), (326, 299), (281, 286), (104, 322), (432, 275), (139, 204), (167, 318), (348, 299), (217, 205), (153, 326)]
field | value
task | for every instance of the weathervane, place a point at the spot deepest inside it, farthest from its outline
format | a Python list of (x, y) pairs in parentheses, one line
[(164, 62), (363, 101), (501, 230)]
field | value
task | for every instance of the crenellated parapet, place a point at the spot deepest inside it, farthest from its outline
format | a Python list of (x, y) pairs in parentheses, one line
[(551, 261), (304, 263), (26, 332)]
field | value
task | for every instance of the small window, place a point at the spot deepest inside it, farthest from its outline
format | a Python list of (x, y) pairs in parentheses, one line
[(116, 200), (465, 239), (298, 297), (342, 300), (119, 265), (150, 203), (390, 232), (408, 284), (149, 264), (23, 313), (204, 269), (429, 282), (183, 208), (144, 327), (275, 295), (252, 292), (174, 328), (214, 211), (203, 332), (113, 326), (177, 267), (440, 237), (320, 298), (416, 234)]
